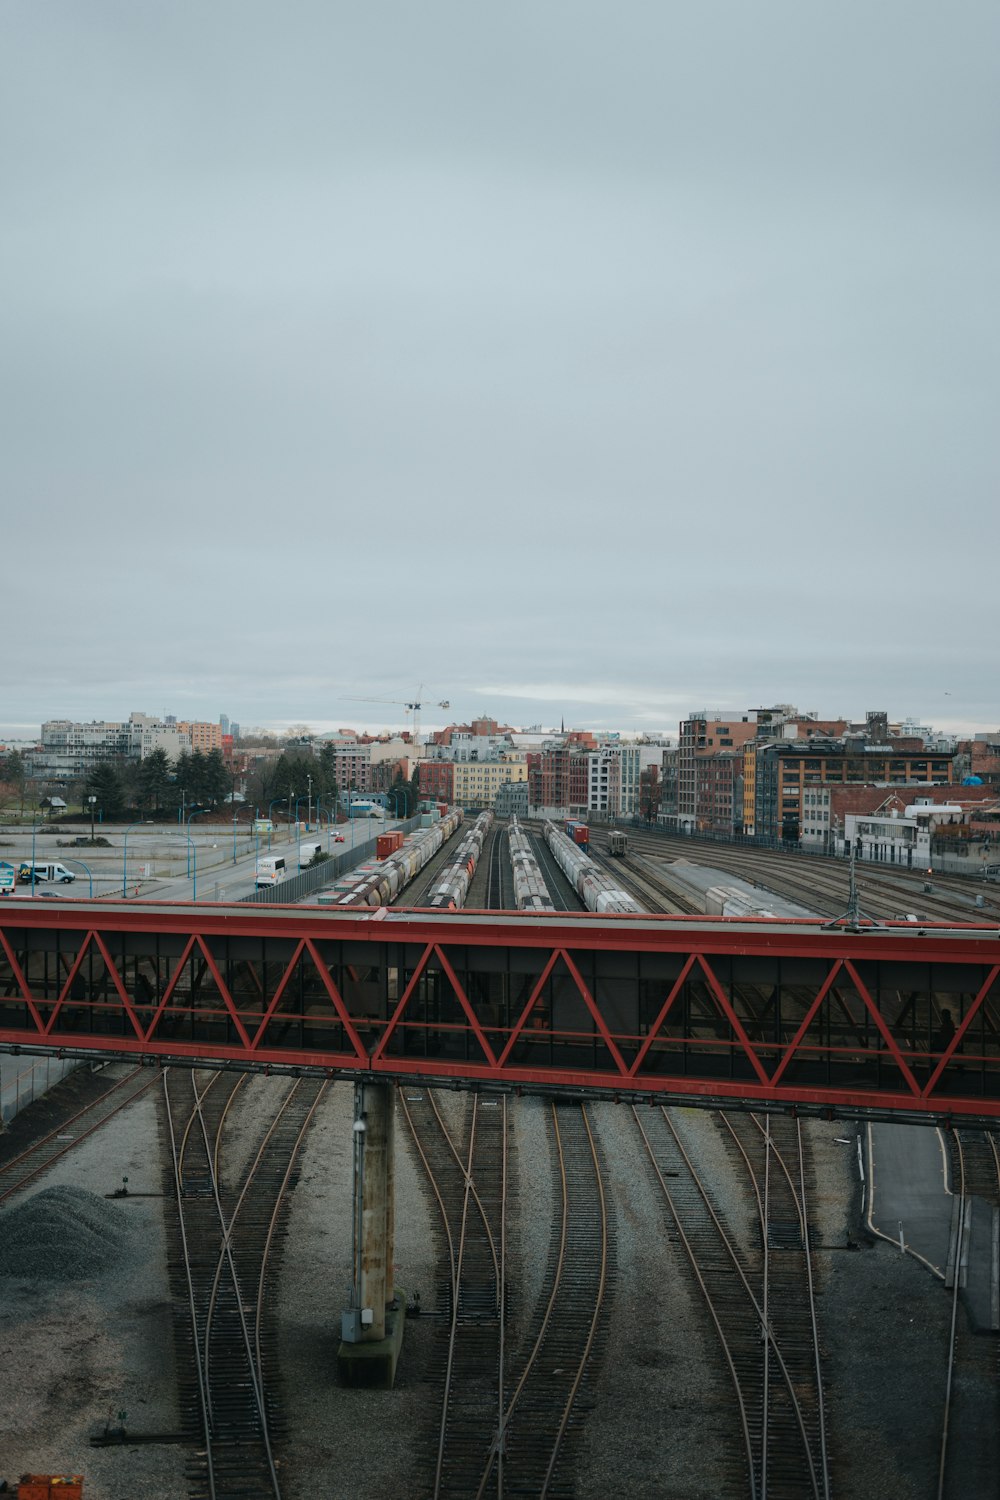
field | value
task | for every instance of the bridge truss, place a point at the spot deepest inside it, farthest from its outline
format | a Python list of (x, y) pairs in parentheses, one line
[(758, 1013)]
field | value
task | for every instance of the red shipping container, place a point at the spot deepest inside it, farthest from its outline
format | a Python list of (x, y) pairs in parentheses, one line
[(443, 809), (581, 833)]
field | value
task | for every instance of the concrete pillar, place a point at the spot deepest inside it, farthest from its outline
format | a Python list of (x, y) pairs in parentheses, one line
[(374, 1208)]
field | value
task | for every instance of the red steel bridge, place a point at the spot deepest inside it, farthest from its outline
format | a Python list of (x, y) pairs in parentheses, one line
[(852, 1020)]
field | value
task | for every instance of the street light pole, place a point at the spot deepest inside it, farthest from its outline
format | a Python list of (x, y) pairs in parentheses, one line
[(93, 804), (271, 805), (298, 830), (193, 853), (140, 823), (309, 804)]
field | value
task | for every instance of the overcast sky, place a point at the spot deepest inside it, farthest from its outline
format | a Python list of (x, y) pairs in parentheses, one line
[(606, 361)]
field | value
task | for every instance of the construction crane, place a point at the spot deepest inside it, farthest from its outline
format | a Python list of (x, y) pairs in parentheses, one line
[(413, 706)]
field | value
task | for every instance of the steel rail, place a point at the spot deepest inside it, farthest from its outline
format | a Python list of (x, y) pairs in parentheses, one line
[(767, 1332), (228, 1227), (192, 1307), (953, 1326), (824, 1456), (434, 1185), (275, 1215), (598, 1303), (55, 1156), (258, 1393), (798, 1196), (498, 1443), (723, 1340), (467, 1173), (456, 1278)]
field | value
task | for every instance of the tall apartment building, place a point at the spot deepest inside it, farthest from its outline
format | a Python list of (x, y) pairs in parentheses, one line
[(70, 749), (789, 774), (203, 736), (558, 781), (615, 777), (437, 780), (703, 737), (477, 783)]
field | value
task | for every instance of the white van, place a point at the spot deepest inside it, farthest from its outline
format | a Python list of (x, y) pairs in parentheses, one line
[(308, 853), (271, 869), (44, 870)]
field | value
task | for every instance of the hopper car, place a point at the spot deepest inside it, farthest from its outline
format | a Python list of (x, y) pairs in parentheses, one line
[(595, 889), (379, 882), (530, 891), (451, 885)]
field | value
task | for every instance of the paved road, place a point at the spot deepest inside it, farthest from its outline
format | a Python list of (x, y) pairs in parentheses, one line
[(160, 864)]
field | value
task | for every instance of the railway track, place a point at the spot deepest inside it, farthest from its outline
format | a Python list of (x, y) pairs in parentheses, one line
[(466, 1170), (821, 883), (222, 1264), (564, 898), (29, 1164), (552, 1391), (508, 1416), (969, 1451), (499, 882), (777, 1443)]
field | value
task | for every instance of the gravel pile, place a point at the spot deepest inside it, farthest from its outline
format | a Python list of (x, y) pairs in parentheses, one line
[(63, 1234)]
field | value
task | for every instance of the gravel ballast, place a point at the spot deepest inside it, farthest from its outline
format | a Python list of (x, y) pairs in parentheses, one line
[(85, 1334)]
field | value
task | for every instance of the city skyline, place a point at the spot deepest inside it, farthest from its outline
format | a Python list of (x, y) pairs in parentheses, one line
[(594, 365), (549, 724)]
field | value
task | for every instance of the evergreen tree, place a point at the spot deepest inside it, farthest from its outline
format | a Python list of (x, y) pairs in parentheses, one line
[(104, 782), (218, 782), (153, 780)]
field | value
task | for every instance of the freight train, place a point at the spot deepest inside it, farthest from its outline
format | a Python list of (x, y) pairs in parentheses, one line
[(530, 891), (379, 882), (597, 892), (730, 901), (451, 884)]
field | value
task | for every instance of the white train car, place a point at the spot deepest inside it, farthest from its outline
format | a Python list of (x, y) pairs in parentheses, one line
[(597, 892), (451, 884), (530, 891)]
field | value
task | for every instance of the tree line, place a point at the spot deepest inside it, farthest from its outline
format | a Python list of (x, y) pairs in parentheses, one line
[(156, 786)]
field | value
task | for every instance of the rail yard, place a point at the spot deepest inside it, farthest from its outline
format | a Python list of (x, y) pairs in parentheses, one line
[(602, 1298)]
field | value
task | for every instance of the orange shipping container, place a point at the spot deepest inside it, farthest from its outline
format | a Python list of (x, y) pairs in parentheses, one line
[(50, 1487)]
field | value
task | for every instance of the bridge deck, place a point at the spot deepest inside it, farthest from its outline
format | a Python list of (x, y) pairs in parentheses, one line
[(897, 1019)]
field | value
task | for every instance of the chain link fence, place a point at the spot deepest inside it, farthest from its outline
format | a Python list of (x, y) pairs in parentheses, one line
[(317, 877)]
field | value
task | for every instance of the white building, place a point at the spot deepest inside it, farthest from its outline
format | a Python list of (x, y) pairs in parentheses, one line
[(899, 840)]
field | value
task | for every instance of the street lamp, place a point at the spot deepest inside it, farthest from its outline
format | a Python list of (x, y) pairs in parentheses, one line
[(271, 805), (93, 804), (232, 805), (90, 874), (320, 810), (309, 807), (34, 882), (140, 823), (193, 854), (298, 829)]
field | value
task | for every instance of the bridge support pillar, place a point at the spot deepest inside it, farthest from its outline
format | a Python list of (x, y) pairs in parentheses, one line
[(372, 1325)]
